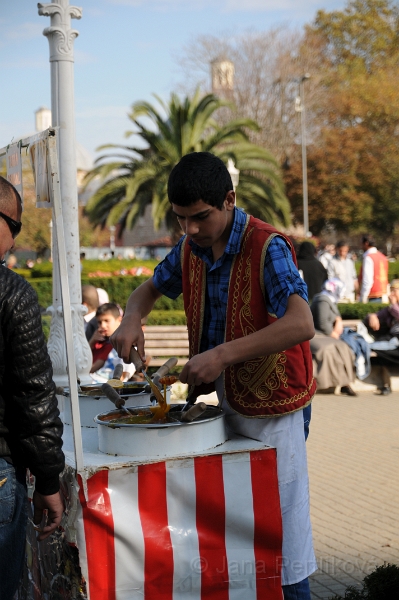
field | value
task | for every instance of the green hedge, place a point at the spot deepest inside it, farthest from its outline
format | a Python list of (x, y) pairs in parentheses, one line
[(358, 310), (171, 316), (46, 320), (167, 317), (45, 269), (156, 317), (393, 270), (118, 288)]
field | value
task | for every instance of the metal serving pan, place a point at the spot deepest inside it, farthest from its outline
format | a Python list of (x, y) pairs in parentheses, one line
[(162, 440)]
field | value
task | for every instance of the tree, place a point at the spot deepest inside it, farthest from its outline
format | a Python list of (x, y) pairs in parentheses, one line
[(356, 151), (139, 177), (352, 109), (267, 68)]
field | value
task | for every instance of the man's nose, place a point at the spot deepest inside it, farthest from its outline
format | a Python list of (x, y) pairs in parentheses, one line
[(191, 227)]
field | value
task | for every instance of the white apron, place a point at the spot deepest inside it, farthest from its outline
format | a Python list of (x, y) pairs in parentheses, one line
[(286, 434)]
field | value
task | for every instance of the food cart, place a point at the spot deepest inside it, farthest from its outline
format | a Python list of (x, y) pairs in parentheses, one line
[(164, 524)]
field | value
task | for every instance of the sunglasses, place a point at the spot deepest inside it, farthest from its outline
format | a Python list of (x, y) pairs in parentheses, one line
[(14, 226)]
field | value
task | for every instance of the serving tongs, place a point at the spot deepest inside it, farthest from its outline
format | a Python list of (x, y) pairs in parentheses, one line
[(163, 407), (161, 372)]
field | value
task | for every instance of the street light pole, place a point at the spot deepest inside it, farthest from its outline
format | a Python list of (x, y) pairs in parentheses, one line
[(234, 173), (300, 107), (61, 38)]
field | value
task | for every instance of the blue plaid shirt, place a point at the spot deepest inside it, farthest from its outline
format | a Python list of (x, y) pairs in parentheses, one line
[(280, 275)]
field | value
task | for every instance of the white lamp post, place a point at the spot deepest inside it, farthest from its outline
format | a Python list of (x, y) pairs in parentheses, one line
[(61, 38), (300, 107), (112, 238), (234, 173), (51, 239)]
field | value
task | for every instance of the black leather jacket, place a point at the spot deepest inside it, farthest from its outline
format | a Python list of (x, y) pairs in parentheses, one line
[(30, 427)]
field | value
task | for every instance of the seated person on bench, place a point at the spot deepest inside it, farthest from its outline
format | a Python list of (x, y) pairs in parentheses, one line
[(333, 358), (384, 327)]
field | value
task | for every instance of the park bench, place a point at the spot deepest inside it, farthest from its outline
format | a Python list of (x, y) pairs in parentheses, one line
[(374, 379), (164, 341)]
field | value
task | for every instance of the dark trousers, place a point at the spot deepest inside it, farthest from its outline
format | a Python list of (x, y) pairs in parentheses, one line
[(13, 520)]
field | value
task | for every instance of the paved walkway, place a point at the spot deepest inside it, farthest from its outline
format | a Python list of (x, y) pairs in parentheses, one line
[(353, 452)]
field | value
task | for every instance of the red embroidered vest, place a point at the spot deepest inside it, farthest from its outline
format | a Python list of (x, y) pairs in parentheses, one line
[(380, 283), (268, 386)]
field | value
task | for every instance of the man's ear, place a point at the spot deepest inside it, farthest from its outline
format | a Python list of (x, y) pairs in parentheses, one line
[(230, 200)]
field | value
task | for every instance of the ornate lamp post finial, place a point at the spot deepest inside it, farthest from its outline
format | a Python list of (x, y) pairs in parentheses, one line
[(60, 34)]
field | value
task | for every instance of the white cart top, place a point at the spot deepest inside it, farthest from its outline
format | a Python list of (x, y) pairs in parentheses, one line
[(95, 460)]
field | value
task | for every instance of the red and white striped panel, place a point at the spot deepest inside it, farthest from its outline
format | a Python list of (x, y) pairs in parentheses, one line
[(206, 527)]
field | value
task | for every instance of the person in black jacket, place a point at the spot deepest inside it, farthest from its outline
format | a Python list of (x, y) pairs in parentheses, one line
[(311, 269), (30, 427)]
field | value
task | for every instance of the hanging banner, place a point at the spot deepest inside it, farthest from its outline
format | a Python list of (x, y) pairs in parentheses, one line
[(39, 162), (14, 166)]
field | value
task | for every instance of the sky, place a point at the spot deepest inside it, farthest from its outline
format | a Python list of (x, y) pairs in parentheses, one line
[(125, 52)]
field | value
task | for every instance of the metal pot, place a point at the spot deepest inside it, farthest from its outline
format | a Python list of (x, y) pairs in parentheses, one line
[(90, 406), (164, 440)]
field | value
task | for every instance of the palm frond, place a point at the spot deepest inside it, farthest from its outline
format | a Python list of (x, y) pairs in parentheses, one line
[(176, 128)]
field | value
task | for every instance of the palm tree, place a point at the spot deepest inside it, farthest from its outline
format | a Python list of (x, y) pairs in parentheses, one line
[(139, 175)]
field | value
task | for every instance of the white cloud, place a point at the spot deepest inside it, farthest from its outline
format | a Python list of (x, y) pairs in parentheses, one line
[(24, 31), (24, 63)]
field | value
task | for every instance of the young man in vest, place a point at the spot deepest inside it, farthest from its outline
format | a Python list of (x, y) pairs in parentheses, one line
[(249, 324), (373, 273)]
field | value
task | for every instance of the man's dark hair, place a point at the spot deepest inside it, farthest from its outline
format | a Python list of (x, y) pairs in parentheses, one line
[(108, 307), (199, 176), (367, 239), (306, 250), (90, 297), (341, 244), (8, 194)]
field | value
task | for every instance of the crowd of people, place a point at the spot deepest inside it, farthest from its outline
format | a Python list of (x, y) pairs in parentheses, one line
[(341, 354)]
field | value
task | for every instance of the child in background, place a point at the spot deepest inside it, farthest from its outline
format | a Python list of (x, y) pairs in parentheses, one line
[(105, 357)]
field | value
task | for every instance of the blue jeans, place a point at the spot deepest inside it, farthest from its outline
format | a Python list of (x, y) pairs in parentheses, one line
[(307, 414), (13, 520), (297, 591)]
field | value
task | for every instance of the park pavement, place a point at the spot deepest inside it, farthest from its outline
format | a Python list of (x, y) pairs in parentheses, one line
[(353, 451)]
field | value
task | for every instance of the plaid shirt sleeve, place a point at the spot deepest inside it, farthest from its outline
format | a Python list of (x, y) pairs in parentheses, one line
[(282, 277), (167, 276)]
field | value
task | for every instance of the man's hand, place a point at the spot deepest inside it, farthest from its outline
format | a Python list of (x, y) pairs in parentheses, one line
[(128, 334), (374, 322), (96, 337), (51, 518), (203, 368), (338, 328)]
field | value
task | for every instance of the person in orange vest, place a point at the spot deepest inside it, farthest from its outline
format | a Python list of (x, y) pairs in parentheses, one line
[(373, 273)]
